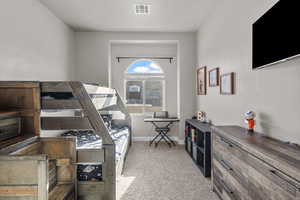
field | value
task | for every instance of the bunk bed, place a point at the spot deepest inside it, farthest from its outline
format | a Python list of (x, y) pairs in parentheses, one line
[(96, 124)]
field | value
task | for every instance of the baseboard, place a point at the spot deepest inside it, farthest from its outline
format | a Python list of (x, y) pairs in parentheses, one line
[(148, 139), (141, 139), (180, 142)]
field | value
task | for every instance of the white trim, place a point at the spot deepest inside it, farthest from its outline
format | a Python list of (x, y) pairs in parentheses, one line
[(144, 76), (148, 139), (177, 42), (164, 94), (143, 41), (178, 83), (109, 66), (144, 95), (180, 142)]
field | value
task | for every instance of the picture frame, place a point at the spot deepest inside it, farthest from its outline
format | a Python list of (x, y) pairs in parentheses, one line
[(214, 77), (227, 84), (201, 81)]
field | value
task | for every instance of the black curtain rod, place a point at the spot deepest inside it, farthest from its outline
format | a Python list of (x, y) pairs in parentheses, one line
[(161, 58)]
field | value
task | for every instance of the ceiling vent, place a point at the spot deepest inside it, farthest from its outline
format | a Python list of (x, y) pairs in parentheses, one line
[(142, 9)]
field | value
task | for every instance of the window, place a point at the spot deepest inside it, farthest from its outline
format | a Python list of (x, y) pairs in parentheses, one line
[(144, 87), (142, 67)]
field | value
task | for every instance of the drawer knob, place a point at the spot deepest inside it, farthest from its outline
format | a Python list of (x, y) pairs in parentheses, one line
[(225, 165), (229, 191), (226, 142)]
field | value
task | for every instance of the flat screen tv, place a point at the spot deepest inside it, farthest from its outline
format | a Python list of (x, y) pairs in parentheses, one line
[(276, 35)]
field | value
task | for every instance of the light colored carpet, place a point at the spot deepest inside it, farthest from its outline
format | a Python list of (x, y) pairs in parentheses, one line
[(162, 173)]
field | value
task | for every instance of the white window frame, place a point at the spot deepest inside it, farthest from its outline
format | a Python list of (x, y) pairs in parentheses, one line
[(144, 78)]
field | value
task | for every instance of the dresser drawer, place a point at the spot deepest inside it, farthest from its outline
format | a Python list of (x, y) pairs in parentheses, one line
[(229, 184), (225, 147), (271, 182), (234, 188), (232, 158), (254, 167), (218, 179)]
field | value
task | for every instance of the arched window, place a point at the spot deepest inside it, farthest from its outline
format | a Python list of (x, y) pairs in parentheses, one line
[(144, 67), (144, 87)]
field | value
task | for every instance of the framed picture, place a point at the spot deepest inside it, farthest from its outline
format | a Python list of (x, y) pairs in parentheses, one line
[(226, 84), (213, 77), (201, 81)]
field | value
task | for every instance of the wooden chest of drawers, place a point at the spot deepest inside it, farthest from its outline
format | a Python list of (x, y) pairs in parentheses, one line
[(253, 167)]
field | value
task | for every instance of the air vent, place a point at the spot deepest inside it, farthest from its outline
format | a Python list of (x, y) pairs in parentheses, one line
[(142, 9)]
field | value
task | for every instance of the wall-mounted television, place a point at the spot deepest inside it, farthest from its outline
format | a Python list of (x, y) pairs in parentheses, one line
[(276, 35)]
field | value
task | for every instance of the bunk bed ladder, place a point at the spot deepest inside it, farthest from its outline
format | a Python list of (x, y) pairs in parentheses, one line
[(74, 96), (100, 129)]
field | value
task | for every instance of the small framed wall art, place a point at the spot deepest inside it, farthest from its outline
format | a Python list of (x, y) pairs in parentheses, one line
[(201, 81), (213, 77), (227, 84)]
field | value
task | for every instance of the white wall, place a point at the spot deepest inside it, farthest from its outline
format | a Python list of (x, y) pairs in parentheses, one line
[(141, 129), (225, 41), (34, 44), (92, 61)]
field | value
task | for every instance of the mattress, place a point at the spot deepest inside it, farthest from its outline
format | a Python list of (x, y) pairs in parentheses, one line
[(86, 139)]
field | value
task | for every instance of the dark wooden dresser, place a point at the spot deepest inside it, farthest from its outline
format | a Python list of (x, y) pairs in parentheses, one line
[(254, 167)]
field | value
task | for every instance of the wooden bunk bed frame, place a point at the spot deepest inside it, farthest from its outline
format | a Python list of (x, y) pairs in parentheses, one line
[(41, 155)]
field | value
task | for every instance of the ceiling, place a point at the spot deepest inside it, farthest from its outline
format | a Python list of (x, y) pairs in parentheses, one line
[(118, 15)]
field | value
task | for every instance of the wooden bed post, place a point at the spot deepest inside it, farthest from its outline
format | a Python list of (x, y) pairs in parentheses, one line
[(109, 172), (42, 179)]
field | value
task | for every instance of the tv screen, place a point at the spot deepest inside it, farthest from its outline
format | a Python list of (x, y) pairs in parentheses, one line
[(276, 35)]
